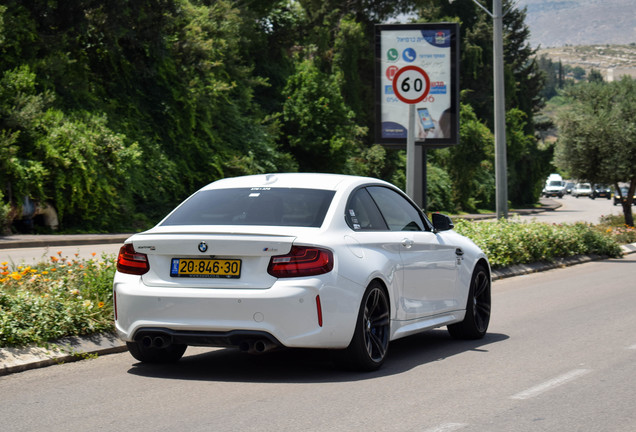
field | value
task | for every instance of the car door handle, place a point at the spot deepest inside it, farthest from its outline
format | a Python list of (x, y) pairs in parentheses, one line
[(407, 243)]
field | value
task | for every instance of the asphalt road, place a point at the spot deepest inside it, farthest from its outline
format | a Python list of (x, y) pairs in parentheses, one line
[(560, 356), (581, 209)]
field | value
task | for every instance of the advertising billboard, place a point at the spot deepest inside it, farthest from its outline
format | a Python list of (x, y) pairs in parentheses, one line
[(426, 59)]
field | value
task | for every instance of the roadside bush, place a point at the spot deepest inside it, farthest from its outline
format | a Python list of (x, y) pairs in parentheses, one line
[(507, 242), (63, 297), (439, 187), (614, 226)]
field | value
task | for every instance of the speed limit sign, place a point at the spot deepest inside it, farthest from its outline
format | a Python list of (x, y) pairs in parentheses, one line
[(411, 84)]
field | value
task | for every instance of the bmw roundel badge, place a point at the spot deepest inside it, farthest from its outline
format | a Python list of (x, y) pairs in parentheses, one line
[(203, 246)]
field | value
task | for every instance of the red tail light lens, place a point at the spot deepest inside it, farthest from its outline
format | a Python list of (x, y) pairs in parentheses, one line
[(301, 261), (132, 262), (115, 303), (319, 310)]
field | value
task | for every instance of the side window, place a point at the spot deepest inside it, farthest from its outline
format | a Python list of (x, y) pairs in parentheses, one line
[(362, 214), (399, 214)]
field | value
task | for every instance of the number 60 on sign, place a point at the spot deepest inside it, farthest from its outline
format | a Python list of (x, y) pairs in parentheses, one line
[(411, 84)]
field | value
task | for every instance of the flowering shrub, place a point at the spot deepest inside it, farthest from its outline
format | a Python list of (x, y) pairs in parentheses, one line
[(507, 242), (62, 297), (614, 226)]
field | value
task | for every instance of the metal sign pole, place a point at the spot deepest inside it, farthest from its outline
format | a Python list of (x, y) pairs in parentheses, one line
[(501, 170), (410, 153)]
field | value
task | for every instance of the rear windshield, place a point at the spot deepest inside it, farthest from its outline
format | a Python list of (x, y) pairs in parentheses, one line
[(254, 206)]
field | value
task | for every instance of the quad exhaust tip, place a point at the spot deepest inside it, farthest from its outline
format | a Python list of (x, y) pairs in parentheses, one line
[(250, 345)]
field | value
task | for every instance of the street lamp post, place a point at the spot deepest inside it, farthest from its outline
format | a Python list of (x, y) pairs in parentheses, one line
[(501, 173)]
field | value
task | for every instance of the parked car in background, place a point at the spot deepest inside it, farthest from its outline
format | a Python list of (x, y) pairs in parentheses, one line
[(582, 189), (298, 261), (623, 196), (601, 191), (568, 187)]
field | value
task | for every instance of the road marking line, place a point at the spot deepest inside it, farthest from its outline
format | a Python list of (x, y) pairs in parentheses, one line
[(633, 347), (555, 382), (447, 427)]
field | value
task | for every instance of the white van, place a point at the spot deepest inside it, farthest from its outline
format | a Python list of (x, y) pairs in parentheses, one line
[(554, 186)]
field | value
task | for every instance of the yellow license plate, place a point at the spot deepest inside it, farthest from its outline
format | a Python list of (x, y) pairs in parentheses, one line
[(205, 268)]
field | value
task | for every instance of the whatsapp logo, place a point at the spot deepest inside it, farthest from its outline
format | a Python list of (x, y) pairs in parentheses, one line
[(392, 54)]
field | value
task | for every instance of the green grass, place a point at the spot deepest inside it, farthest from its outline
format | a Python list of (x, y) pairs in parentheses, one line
[(71, 297)]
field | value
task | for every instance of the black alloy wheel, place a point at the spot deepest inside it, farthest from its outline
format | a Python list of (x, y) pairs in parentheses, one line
[(475, 323), (370, 342)]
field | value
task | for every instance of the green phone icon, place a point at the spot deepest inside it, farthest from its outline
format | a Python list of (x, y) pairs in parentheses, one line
[(392, 54)]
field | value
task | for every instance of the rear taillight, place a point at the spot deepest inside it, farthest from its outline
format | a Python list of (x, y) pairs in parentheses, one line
[(301, 261), (132, 262)]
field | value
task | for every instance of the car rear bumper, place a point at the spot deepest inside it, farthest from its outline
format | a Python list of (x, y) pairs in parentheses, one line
[(286, 314)]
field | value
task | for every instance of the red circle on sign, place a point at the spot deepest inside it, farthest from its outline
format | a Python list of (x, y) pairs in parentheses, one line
[(391, 71), (416, 71)]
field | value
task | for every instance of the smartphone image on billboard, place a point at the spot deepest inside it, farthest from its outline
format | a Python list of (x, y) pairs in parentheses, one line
[(425, 119)]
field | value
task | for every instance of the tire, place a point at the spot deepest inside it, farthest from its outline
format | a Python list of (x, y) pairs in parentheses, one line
[(370, 342), (475, 323), (145, 354)]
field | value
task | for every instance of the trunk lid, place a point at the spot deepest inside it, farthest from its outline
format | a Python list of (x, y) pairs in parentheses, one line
[(253, 251)]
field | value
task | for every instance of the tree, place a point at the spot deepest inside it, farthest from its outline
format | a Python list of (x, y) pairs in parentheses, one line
[(523, 83), (597, 135), (595, 76), (71, 159), (550, 76), (578, 72), (173, 76), (318, 126), (523, 77), (528, 165), (470, 165)]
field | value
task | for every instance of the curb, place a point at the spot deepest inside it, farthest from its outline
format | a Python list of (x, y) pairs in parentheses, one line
[(65, 350), (525, 269), (38, 240)]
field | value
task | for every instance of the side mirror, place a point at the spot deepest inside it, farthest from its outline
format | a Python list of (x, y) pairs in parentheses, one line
[(442, 222)]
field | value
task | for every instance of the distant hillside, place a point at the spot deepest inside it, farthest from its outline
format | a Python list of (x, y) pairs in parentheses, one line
[(580, 22), (613, 61)]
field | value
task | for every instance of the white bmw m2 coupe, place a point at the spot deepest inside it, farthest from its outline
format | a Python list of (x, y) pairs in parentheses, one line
[(298, 260)]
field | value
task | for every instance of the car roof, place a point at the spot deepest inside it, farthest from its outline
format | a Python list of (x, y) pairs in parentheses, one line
[(294, 180)]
